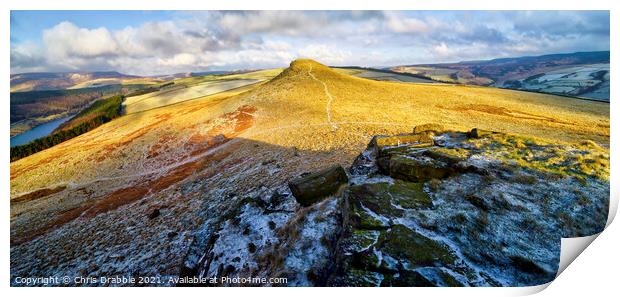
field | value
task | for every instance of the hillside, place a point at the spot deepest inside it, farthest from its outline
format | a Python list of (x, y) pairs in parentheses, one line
[(584, 74), (195, 87), (156, 191), (32, 108), (40, 81), (99, 112)]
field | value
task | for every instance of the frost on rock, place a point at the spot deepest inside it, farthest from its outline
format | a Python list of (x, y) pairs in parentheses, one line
[(489, 220), (273, 237), (246, 230), (457, 213), (308, 247)]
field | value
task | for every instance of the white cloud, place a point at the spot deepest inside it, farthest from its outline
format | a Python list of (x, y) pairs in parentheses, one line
[(442, 49), (182, 59), (66, 39), (324, 53), (27, 57), (399, 23), (265, 21)]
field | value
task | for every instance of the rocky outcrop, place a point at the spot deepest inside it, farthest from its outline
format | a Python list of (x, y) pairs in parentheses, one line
[(419, 215), (313, 187), (479, 133), (431, 208), (436, 128)]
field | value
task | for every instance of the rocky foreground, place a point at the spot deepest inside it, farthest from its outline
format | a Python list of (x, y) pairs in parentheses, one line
[(429, 208)]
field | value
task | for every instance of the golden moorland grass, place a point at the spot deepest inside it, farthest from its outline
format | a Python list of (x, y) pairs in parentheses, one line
[(307, 106), (198, 87), (176, 94)]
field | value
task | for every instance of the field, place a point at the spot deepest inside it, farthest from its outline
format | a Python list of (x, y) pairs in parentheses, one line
[(115, 81), (446, 75), (182, 93), (133, 194), (74, 80), (390, 76), (588, 81), (584, 74), (197, 87)]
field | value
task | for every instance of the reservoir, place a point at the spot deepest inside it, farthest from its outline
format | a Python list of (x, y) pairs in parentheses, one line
[(37, 132)]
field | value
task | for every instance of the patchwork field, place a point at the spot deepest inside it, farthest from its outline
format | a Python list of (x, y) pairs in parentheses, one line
[(74, 80), (583, 74), (116, 81), (588, 81), (390, 76)]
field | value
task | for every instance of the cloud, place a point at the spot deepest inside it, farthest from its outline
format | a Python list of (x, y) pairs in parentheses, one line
[(66, 40), (442, 49), (214, 40), (291, 23), (399, 23), (326, 54), (561, 23), (27, 57)]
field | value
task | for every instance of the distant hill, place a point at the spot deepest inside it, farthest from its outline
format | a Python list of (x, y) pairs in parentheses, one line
[(39, 81), (582, 74)]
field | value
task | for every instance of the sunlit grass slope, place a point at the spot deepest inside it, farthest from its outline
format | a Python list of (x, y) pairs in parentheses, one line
[(342, 106), (197, 87), (310, 107)]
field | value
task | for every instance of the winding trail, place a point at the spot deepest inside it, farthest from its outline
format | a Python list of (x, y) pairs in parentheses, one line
[(329, 102)]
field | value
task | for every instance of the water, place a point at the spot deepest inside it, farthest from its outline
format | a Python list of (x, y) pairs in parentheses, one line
[(37, 132)]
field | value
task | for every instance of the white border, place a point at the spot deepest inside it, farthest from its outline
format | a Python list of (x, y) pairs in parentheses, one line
[(313, 5), (594, 272)]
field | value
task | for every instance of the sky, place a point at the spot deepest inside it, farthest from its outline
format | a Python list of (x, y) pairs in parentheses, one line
[(166, 42)]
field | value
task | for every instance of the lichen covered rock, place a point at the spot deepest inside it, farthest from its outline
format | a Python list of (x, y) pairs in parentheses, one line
[(315, 186), (456, 214), (416, 139), (430, 127), (415, 168)]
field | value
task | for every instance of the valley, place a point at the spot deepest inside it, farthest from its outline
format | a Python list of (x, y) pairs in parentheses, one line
[(34, 108)]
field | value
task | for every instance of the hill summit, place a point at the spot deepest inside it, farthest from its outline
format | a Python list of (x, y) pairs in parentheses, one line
[(301, 67), (308, 64)]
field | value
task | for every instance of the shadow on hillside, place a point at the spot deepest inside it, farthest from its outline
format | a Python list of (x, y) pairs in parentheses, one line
[(56, 230), (107, 228)]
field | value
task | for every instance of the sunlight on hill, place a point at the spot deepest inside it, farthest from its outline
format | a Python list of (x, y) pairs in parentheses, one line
[(308, 106), (364, 107)]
